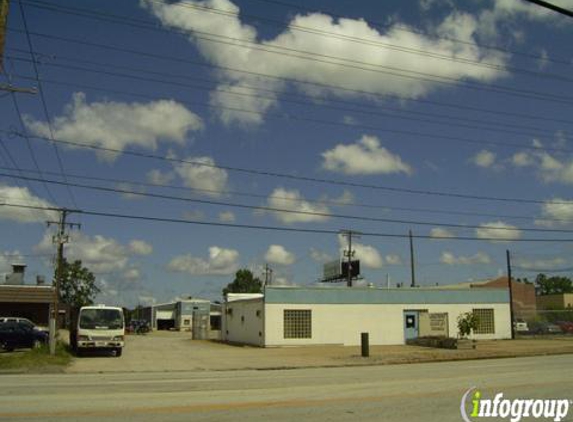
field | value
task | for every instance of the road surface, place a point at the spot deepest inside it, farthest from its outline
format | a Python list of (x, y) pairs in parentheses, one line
[(419, 392)]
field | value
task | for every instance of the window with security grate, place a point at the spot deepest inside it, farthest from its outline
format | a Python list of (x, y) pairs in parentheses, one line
[(297, 323), (486, 323)]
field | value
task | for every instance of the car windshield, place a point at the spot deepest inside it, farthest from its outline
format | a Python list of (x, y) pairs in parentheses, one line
[(101, 319)]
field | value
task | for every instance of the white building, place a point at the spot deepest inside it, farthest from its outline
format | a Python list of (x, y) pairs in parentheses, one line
[(289, 316)]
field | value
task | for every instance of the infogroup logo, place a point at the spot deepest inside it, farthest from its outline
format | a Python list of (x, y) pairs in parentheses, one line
[(513, 409)]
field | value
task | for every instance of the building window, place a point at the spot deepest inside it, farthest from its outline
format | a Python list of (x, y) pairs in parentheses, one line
[(297, 323), (486, 324), (186, 321)]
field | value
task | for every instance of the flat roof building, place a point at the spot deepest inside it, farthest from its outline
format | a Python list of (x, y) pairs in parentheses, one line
[(287, 316)]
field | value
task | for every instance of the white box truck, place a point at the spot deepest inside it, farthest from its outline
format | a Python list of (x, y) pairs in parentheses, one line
[(98, 327)]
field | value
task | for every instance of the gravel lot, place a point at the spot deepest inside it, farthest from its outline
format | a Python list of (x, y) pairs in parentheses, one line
[(175, 351)]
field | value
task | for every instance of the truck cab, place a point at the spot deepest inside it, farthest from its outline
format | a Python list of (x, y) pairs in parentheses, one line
[(98, 327)]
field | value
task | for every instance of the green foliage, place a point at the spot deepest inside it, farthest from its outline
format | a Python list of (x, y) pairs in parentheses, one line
[(36, 359), (244, 282), (78, 285), (553, 285), (467, 323)]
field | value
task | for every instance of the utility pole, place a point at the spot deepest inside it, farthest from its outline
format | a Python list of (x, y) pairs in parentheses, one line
[(413, 283), (4, 8), (60, 238), (509, 286), (349, 253), (268, 275)]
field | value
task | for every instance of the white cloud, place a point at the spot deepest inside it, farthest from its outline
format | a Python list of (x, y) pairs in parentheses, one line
[(22, 196), (550, 168), (118, 125), (277, 254), (449, 258), (196, 215), (320, 256), (131, 274), (203, 176), (221, 261), (146, 300), (157, 177), (439, 232), (540, 264), (98, 253), (292, 200), (484, 159), (140, 247), (498, 230), (556, 209), (251, 57), (364, 157), (227, 217), (369, 256), (393, 259)]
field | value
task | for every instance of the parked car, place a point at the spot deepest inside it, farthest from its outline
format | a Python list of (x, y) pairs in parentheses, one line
[(521, 326), (24, 321), (19, 335), (544, 328), (566, 326)]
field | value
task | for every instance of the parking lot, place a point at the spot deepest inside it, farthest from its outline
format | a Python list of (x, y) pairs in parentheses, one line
[(175, 351)]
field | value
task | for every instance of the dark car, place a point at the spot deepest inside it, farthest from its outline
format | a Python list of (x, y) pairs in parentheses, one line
[(19, 335), (544, 328), (566, 326)]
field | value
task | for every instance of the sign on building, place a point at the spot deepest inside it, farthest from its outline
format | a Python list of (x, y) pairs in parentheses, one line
[(433, 324)]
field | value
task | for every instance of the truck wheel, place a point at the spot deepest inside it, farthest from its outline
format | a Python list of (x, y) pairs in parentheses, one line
[(118, 352)]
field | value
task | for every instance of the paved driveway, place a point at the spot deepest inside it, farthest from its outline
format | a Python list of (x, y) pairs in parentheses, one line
[(175, 351)]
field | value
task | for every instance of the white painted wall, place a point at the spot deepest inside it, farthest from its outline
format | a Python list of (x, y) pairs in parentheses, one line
[(242, 324), (342, 324)]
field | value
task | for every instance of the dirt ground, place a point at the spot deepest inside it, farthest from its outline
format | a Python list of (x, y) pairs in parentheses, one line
[(175, 351)]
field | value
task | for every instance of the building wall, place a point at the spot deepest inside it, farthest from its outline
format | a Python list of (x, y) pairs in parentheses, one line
[(343, 323), (524, 299), (559, 301), (243, 322)]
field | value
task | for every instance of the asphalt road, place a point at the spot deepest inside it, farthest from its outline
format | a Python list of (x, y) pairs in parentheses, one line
[(419, 392)]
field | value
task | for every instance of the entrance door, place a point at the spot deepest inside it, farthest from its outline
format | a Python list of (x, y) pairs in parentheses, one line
[(411, 324)]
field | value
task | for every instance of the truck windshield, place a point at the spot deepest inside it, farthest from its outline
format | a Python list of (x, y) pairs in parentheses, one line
[(101, 319)]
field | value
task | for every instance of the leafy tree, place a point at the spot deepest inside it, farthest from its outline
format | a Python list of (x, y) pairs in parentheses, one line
[(244, 282), (553, 285), (467, 323), (78, 285)]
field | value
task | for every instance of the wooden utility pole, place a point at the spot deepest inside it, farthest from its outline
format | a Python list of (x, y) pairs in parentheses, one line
[(60, 238), (349, 253), (4, 8), (412, 267), (509, 286), (268, 275)]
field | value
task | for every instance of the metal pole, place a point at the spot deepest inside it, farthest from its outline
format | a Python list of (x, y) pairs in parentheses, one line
[(4, 8), (509, 286), (413, 283), (365, 345), (349, 282)]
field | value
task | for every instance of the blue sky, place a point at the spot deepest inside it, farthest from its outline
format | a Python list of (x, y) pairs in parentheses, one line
[(431, 114)]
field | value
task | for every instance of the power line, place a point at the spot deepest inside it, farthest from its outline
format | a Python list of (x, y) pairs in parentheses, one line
[(126, 20), (373, 95), (403, 28), (366, 111), (288, 211), (553, 7), (333, 202), (43, 99), (372, 67), (291, 117), (278, 228), (295, 177)]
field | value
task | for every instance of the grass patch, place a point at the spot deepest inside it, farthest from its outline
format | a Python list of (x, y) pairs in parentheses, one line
[(36, 359)]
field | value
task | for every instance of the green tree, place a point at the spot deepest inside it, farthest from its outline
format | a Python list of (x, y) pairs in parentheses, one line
[(467, 323), (244, 282), (553, 285), (78, 284)]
